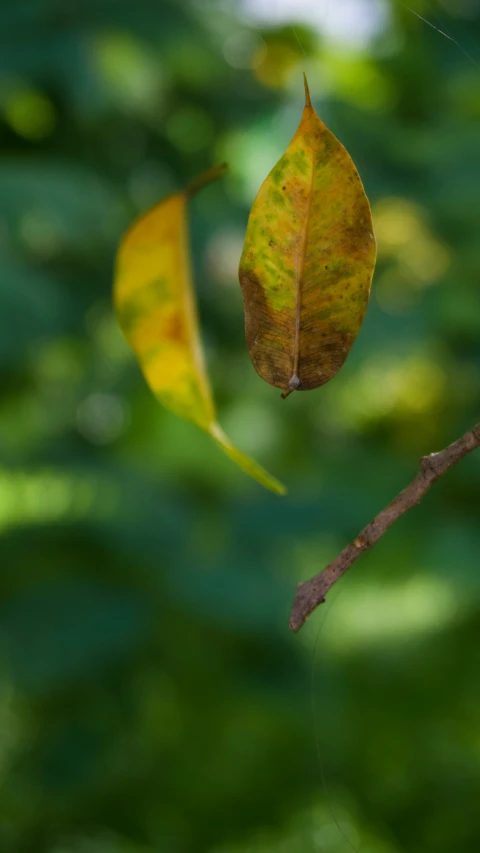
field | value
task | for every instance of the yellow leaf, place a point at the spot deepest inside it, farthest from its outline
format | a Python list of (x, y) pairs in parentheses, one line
[(308, 261), (156, 309)]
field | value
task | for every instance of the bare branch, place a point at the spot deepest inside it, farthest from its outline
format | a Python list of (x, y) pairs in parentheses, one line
[(311, 593)]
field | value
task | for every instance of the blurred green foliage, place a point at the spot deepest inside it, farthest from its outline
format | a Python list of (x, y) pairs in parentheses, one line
[(151, 697)]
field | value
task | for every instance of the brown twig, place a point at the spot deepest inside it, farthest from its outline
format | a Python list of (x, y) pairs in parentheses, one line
[(312, 593)]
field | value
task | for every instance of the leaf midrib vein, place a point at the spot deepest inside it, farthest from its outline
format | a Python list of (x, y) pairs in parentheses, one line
[(300, 276)]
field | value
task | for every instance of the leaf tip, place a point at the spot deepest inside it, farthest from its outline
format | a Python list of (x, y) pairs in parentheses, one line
[(308, 102), (248, 465)]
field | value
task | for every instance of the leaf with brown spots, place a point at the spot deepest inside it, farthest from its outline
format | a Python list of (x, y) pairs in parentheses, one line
[(308, 261), (156, 309)]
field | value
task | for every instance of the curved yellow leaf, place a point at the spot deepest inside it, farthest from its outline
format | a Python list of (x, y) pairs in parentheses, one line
[(156, 309), (308, 261)]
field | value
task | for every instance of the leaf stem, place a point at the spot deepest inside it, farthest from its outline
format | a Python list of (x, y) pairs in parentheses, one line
[(205, 178)]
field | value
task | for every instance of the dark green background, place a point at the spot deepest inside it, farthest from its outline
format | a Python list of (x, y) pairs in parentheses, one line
[(152, 699)]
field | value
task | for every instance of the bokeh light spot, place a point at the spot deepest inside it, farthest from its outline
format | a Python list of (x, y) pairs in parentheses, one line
[(403, 234), (223, 254), (276, 65), (244, 49), (101, 418), (348, 22), (376, 614), (389, 386), (128, 70), (190, 129), (30, 114), (42, 232)]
